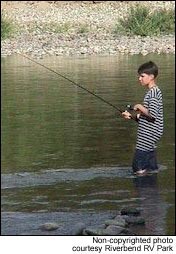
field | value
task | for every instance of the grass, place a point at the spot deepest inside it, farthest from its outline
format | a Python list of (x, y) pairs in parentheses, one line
[(50, 27), (57, 28), (54, 27), (83, 29), (7, 28), (141, 22)]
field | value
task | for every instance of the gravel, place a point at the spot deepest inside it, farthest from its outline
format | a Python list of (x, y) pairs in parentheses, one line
[(78, 28)]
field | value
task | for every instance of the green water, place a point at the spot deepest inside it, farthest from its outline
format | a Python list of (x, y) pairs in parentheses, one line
[(50, 124)]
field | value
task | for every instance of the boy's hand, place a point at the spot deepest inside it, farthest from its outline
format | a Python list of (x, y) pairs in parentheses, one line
[(138, 107), (126, 115)]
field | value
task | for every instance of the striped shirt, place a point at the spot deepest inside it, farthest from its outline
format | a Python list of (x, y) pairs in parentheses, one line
[(150, 132)]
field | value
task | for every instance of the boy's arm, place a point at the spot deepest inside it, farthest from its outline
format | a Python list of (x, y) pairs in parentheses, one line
[(144, 112)]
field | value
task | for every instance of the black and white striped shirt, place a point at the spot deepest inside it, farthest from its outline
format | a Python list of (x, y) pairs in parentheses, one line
[(150, 132)]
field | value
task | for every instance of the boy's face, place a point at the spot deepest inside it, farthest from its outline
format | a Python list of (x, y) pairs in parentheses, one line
[(145, 79)]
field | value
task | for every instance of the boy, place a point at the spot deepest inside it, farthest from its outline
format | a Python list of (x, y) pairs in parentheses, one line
[(150, 120)]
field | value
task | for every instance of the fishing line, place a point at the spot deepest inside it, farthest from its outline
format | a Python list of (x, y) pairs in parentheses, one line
[(76, 84)]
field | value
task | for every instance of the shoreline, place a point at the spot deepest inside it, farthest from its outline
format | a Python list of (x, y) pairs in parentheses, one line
[(85, 29)]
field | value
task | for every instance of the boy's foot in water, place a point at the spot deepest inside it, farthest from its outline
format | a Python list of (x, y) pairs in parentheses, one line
[(141, 172)]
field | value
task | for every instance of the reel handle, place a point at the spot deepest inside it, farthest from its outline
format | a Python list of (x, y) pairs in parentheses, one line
[(129, 107)]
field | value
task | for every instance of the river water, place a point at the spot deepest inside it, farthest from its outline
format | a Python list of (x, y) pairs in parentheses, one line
[(66, 152)]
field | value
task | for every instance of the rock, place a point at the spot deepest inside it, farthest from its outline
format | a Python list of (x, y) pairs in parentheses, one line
[(114, 230), (127, 232), (135, 220), (110, 230), (49, 226), (78, 229), (84, 232), (117, 222), (130, 211), (94, 231)]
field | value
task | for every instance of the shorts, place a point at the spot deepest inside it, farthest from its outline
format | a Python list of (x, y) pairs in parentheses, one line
[(144, 160)]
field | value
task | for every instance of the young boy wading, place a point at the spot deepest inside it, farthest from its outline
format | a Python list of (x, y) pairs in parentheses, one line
[(150, 121)]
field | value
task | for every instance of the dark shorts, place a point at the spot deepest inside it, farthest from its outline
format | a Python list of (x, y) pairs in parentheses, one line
[(144, 160)]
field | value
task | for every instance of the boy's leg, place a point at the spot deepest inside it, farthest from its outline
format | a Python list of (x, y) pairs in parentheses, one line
[(138, 161), (153, 161), (144, 161)]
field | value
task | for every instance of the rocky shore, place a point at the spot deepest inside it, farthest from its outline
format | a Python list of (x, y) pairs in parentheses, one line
[(53, 28), (128, 221)]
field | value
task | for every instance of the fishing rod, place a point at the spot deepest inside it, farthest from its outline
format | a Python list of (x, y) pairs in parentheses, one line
[(73, 82)]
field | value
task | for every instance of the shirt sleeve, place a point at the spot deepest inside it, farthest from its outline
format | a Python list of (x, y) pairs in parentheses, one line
[(153, 107)]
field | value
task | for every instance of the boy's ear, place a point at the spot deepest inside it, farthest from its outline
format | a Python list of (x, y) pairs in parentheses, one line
[(152, 76)]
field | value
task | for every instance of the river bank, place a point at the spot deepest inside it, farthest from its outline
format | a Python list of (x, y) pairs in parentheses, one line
[(53, 28)]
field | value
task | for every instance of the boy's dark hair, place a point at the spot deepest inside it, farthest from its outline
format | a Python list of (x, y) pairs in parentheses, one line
[(148, 68)]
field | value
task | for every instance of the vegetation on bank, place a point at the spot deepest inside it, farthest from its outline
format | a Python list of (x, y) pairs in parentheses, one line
[(7, 27), (54, 27), (140, 21)]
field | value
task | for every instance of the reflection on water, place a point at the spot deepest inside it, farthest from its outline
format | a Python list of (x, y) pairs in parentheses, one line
[(49, 125), (154, 209)]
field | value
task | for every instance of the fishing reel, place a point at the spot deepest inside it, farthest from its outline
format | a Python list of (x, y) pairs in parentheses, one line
[(129, 108)]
